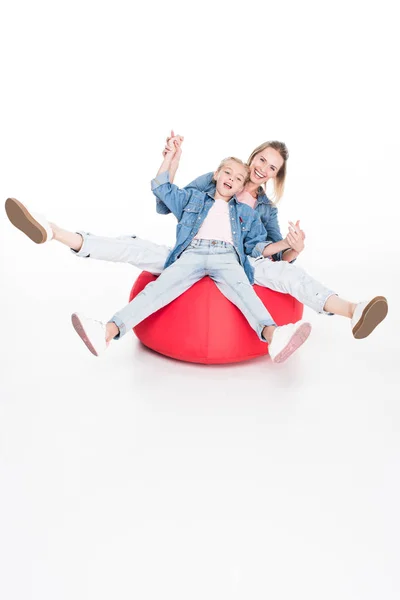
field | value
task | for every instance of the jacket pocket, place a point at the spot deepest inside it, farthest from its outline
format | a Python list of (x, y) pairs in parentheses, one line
[(190, 212)]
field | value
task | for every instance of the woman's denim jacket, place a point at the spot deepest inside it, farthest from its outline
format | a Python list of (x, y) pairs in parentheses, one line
[(190, 206), (267, 211)]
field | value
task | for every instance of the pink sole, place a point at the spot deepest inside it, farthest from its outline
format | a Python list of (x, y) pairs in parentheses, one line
[(295, 342), (82, 334)]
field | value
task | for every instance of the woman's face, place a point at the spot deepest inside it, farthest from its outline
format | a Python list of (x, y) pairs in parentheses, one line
[(265, 165)]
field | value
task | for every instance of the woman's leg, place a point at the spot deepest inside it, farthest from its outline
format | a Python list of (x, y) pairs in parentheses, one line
[(286, 278), (130, 249), (290, 279), (72, 240)]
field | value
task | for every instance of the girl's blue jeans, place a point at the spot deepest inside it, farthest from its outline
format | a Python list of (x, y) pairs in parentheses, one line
[(214, 258)]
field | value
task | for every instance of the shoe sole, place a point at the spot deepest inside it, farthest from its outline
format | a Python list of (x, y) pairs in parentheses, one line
[(372, 315), (23, 220), (77, 325), (295, 342)]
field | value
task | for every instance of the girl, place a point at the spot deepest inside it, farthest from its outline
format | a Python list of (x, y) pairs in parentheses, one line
[(214, 236)]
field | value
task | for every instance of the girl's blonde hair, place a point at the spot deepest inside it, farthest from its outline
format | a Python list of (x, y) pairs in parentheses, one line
[(279, 180), (246, 167)]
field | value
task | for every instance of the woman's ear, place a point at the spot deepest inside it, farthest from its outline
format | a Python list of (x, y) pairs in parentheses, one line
[(215, 175)]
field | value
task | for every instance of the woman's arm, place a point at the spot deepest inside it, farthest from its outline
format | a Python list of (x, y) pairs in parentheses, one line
[(254, 241), (291, 248), (275, 248)]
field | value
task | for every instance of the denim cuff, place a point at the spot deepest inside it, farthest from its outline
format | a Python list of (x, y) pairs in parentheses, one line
[(269, 323), (160, 180), (259, 248), (322, 302), (83, 252), (121, 326)]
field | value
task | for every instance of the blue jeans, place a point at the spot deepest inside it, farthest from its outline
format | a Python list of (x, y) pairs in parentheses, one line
[(214, 258), (279, 276)]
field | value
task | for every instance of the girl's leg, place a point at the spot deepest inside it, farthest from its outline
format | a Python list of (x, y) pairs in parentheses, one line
[(173, 282), (232, 281)]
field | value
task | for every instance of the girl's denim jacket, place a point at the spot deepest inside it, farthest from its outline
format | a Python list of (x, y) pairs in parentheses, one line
[(190, 206), (267, 211)]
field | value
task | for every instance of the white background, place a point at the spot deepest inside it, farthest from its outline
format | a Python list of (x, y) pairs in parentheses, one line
[(137, 476)]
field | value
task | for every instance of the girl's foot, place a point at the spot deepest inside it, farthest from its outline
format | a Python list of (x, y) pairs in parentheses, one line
[(35, 226), (93, 333), (367, 316), (287, 339)]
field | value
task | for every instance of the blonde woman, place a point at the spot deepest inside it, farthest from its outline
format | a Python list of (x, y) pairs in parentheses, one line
[(272, 269)]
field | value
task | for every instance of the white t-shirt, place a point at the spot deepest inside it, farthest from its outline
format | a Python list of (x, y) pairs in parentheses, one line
[(216, 225)]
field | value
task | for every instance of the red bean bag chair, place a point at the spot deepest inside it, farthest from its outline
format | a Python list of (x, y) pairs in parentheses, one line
[(202, 326)]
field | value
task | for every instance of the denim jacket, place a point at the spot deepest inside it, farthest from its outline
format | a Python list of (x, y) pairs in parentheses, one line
[(267, 211), (190, 206)]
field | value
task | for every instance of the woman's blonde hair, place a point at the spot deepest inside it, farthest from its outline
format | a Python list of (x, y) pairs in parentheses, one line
[(246, 167), (279, 180)]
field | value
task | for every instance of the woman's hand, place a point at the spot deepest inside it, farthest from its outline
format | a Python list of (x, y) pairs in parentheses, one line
[(295, 237)]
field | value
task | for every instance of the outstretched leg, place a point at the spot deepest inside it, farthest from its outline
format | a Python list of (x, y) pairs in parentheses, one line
[(290, 279), (173, 282), (232, 281), (141, 253)]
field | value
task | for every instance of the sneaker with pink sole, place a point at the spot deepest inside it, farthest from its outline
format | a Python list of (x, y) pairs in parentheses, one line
[(91, 332), (287, 339)]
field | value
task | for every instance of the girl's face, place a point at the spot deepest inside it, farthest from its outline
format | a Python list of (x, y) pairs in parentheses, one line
[(230, 178), (265, 165)]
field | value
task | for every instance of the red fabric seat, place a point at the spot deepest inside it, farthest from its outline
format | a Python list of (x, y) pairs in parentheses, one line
[(202, 326)]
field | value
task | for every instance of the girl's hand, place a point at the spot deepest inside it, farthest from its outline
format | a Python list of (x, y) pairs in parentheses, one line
[(296, 236)]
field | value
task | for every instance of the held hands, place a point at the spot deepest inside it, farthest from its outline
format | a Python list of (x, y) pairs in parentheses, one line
[(172, 147), (295, 237)]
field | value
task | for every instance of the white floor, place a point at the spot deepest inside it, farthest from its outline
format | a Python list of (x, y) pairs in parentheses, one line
[(136, 476)]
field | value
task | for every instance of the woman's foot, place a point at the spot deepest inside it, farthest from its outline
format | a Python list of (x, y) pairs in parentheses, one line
[(287, 339), (93, 333), (367, 315), (35, 226)]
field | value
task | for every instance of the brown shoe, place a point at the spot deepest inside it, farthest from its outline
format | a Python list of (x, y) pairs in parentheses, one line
[(368, 315), (33, 225)]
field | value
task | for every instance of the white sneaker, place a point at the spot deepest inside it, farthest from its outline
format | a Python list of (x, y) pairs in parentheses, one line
[(367, 316), (35, 226), (287, 339), (92, 332)]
